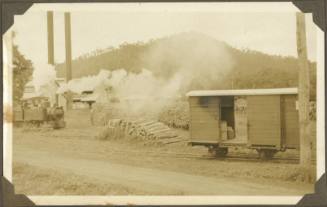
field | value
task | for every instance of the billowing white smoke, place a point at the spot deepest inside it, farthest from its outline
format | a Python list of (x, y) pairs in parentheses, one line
[(137, 93), (176, 65), (88, 83), (143, 93), (199, 60), (44, 76), (142, 85), (125, 85)]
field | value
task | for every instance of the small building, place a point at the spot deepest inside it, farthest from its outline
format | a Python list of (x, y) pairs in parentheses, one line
[(84, 100), (89, 98), (262, 119)]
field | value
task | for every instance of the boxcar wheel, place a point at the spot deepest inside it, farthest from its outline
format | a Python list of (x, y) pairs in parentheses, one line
[(221, 152), (266, 154), (212, 150), (218, 151)]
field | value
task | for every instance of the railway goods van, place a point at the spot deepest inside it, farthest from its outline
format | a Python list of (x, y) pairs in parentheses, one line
[(261, 119)]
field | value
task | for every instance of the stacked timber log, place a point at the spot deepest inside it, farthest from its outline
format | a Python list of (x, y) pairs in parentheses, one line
[(176, 115), (150, 131)]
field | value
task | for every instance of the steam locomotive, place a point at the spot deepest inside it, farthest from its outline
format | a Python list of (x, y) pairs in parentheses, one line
[(37, 111)]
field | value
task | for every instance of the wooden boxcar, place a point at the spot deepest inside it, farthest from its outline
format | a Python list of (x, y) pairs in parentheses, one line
[(261, 119)]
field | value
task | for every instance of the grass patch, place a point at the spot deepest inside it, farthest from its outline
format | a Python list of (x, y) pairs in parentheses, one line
[(32, 180)]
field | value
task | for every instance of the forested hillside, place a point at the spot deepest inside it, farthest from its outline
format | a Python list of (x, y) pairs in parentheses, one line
[(209, 63)]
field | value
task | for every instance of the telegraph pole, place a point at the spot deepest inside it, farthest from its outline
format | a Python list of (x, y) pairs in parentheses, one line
[(68, 46), (304, 95)]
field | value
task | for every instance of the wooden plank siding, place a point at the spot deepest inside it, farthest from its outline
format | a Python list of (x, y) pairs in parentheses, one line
[(264, 120), (204, 123), (291, 122)]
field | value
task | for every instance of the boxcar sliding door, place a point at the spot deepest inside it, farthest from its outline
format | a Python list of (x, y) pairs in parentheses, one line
[(264, 121)]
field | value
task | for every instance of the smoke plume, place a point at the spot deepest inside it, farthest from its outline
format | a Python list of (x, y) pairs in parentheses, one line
[(174, 65), (200, 61), (43, 79), (43, 74)]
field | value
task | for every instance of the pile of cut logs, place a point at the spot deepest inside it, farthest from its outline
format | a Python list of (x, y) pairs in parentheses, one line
[(150, 131), (176, 115)]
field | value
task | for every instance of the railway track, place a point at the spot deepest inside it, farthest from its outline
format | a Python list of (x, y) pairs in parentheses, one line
[(231, 157), (240, 158)]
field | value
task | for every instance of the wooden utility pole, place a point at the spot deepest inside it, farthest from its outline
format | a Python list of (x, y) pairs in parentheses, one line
[(68, 46), (304, 94)]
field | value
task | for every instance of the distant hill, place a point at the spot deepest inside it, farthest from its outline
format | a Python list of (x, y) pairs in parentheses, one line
[(209, 63)]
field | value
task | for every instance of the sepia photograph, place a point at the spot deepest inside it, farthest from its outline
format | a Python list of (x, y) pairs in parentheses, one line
[(164, 99)]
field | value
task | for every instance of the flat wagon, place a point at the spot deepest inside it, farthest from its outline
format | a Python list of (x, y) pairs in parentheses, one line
[(261, 119)]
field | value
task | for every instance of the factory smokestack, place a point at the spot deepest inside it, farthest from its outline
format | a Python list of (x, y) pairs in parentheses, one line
[(68, 57), (51, 44), (50, 38)]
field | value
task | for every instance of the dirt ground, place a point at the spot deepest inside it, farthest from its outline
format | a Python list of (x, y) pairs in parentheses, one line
[(72, 161)]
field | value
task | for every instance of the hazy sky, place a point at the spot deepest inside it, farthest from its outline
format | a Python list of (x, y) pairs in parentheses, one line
[(272, 33)]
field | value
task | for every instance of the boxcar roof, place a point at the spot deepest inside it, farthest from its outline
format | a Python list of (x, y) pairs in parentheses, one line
[(243, 92)]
